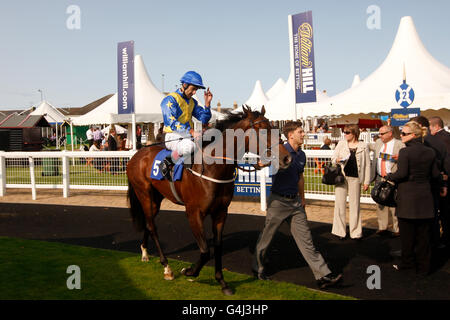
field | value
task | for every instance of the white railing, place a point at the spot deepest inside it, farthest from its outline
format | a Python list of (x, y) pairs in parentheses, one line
[(316, 139), (101, 170), (105, 170)]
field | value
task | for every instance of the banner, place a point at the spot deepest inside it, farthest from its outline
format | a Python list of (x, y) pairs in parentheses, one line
[(125, 77), (400, 117), (248, 183), (304, 66)]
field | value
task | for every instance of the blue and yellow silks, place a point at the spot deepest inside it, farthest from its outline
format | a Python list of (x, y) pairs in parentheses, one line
[(178, 112)]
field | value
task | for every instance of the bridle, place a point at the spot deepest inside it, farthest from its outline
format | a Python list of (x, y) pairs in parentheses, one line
[(235, 160)]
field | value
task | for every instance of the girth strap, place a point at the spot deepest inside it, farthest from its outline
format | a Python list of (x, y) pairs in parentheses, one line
[(175, 194)]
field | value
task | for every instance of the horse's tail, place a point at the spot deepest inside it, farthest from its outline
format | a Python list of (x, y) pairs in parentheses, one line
[(137, 213)]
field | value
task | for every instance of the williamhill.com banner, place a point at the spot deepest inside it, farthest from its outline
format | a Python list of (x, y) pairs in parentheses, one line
[(304, 66), (125, 77)]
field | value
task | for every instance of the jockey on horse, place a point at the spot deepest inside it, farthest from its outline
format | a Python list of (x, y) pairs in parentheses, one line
[(178, 108)]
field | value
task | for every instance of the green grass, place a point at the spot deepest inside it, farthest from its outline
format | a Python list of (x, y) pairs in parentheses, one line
[(32, 269), (80, 174)]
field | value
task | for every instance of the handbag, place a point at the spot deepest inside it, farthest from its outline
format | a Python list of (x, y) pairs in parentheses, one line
[(385, 193), (333, 175)]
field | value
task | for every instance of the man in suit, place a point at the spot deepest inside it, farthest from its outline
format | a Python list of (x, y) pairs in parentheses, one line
[(437, 130), (386, 150), (437, 188)]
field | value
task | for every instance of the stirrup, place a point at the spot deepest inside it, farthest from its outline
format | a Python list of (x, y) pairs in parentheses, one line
[(166, 167)]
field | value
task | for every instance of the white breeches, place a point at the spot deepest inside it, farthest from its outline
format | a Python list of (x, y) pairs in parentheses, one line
[(184, 147)]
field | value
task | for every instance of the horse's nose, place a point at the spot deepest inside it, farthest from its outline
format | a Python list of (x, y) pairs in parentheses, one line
[(287, 160)]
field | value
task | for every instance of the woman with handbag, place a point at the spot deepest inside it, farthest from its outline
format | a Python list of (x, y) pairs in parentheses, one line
[(353, 156), (415, 208)]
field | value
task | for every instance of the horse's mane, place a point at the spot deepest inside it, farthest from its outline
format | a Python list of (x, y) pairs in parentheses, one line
[(231, 118)]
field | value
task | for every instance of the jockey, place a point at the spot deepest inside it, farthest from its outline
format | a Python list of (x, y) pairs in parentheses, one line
[(178, 108)]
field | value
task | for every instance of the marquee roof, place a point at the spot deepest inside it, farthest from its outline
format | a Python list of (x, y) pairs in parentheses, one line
[(147, 99), (52, 115), (408, 59)]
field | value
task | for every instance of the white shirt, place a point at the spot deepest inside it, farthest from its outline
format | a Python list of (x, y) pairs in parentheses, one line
[(89, 134), (94, 148), (390, 151)]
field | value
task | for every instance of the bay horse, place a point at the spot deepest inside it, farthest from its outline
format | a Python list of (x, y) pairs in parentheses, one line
[(205, 189)]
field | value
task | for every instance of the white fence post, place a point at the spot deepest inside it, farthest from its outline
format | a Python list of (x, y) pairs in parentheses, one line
[(262, 183), (2, 175), (33, 180), (65, 175)]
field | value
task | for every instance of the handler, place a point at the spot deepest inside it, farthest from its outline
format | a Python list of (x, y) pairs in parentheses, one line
[(287, 203), (178, 108)]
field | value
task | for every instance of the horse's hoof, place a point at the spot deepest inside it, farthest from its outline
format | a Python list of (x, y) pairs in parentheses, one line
[(169, 277), (145, 257), (227, 291), (168, 274), (188, 272)]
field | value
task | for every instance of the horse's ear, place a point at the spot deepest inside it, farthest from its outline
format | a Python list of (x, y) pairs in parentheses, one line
[(263, 111), (247, 110)]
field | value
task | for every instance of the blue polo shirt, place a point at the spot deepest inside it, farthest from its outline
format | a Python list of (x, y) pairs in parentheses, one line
[(286, 181)]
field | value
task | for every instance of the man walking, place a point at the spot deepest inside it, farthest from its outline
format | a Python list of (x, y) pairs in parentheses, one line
[(442, 159), (287, 203), (385, 161), (437, 130)]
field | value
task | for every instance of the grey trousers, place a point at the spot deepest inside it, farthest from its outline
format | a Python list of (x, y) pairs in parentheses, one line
[(279, 210)]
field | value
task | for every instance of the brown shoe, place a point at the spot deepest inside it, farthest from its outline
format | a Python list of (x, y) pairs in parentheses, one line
[(395, 234)]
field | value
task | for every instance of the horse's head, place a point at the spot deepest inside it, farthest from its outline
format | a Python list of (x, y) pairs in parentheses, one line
[(263, 139)]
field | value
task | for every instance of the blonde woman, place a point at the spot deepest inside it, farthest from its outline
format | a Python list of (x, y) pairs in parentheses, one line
[(417, 167), (353, 156)]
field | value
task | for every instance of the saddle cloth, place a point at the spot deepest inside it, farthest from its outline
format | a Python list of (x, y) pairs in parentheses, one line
[(177, 169)]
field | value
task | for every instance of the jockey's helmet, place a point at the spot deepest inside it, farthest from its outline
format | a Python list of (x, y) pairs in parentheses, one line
[(192, 77)]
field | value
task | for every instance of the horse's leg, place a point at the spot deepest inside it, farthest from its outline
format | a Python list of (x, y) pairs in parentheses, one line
[(218, 222), (151, 209), (144, 245), (196, 223)]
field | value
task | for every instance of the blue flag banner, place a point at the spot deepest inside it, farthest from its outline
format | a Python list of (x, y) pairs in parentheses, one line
[(125, 77), (304, 66), (400, 117), (248, 183)]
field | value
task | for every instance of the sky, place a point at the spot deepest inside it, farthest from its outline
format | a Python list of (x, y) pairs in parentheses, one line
[(232, 44)]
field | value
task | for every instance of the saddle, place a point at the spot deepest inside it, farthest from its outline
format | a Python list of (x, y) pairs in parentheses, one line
[(164, 168)]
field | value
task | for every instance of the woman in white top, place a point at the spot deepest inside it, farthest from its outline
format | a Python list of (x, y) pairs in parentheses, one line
[(97, 162), (353, 156), (94, 147)]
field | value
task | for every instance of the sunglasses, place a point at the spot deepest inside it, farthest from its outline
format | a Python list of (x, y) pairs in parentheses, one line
[(383, 133), (347, 132), (403, 134)]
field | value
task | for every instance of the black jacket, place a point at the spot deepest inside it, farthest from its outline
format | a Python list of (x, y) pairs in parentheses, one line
[(112, 143), (439, 148), (417, 169), (444, 136)]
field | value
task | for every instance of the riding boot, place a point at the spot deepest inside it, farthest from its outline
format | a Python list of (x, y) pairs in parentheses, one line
[(166, 167)]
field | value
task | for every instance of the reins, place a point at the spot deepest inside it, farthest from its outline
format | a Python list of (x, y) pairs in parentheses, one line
[(235, 161)]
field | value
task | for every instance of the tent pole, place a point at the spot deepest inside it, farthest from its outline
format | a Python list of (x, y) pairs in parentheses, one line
[(291, 54), (133, 120), (71, 134), (57, 140)]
